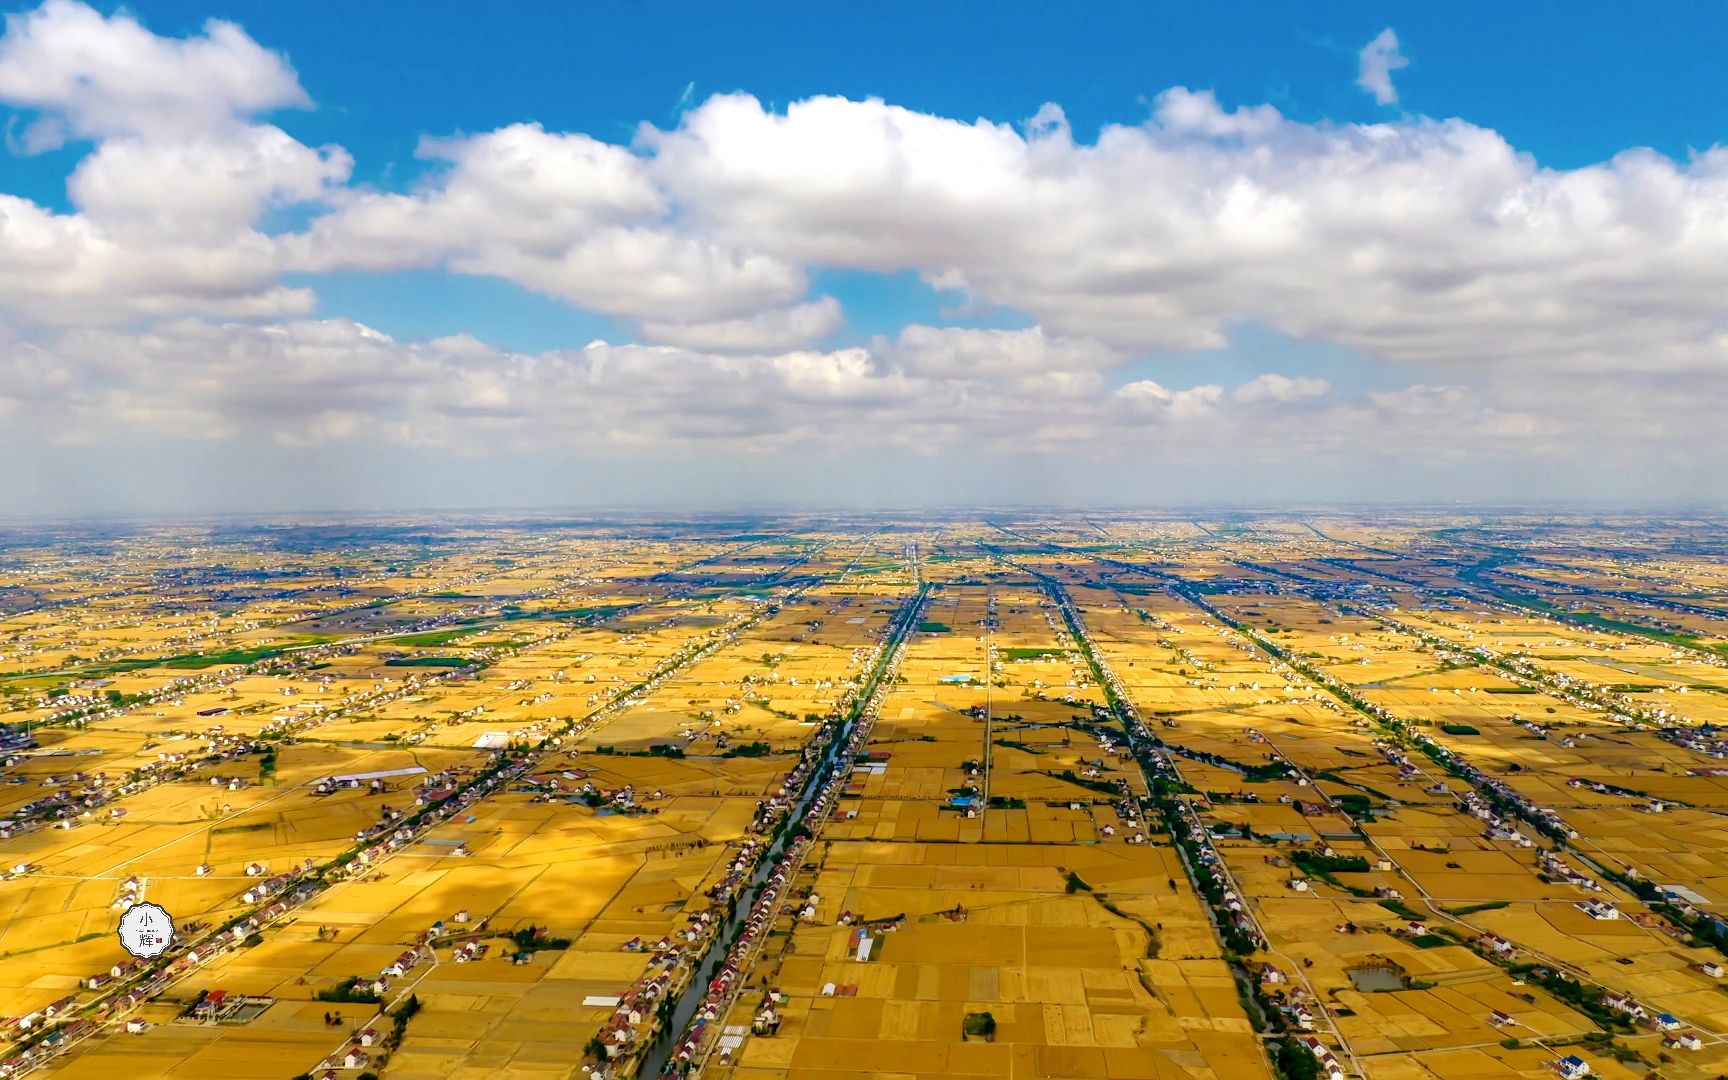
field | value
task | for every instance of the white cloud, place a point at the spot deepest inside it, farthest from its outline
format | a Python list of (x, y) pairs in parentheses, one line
[(1423, 399), (65, 268), (167, 202), (1376, 63), (974, 395), (1428, 242), (1417, 240), (646, 273), (1273, 387), (567, 216), (1186, 112), (210, 185), (1146, 397), (303, 382), (990, 355), (1049, 120), (97, 76), (778, 328), (519, 188)]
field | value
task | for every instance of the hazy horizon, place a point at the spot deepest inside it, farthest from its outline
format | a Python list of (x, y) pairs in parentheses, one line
[(1566, 513)]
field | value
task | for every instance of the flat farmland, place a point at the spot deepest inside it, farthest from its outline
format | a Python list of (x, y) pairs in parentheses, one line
[(1123, 795), (983, 846)]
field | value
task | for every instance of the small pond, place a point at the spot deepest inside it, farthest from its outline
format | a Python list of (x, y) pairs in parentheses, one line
[(1372, 979)]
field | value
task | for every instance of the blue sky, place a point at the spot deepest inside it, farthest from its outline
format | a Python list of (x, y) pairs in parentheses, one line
[(1333, 278), (1571, 82)]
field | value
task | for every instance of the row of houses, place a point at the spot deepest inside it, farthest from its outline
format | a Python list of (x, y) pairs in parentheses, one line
[(727, 979), (1647, 804), (1232, 907), (822, 806), (1550, 863), (1323, 1057), (1705, 740), (672, 954), (51, 1045)]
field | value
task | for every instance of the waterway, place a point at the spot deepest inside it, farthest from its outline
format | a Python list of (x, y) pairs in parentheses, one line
[(1376, 979), (659, 1052)]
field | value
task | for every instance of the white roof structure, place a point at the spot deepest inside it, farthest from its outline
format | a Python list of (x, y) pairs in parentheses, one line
[(414, 770)]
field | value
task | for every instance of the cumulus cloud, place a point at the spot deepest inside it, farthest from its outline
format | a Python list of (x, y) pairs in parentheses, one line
[(929, 392), (779, 328), (1145, 396), (96, 76), (1417, 240), (1180, 111), (157, 302), (206, 186), (573, 218), (336, 380), (67, 268), (1375, 65), (168, 200), (1423, 399), (1273, 387), (519, 188), (990, 355)]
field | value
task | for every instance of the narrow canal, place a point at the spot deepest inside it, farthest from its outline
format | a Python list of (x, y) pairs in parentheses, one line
[(659, 1053)]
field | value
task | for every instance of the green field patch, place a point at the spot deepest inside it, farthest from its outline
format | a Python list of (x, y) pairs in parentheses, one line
[(930, 626), (1471, 909), (566, 613), (185, 661), (1029, 654), (1103, 787), (749, 750), (1328, 774), (429, 661), (429, 640), (232, 656), (1589, 619)]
